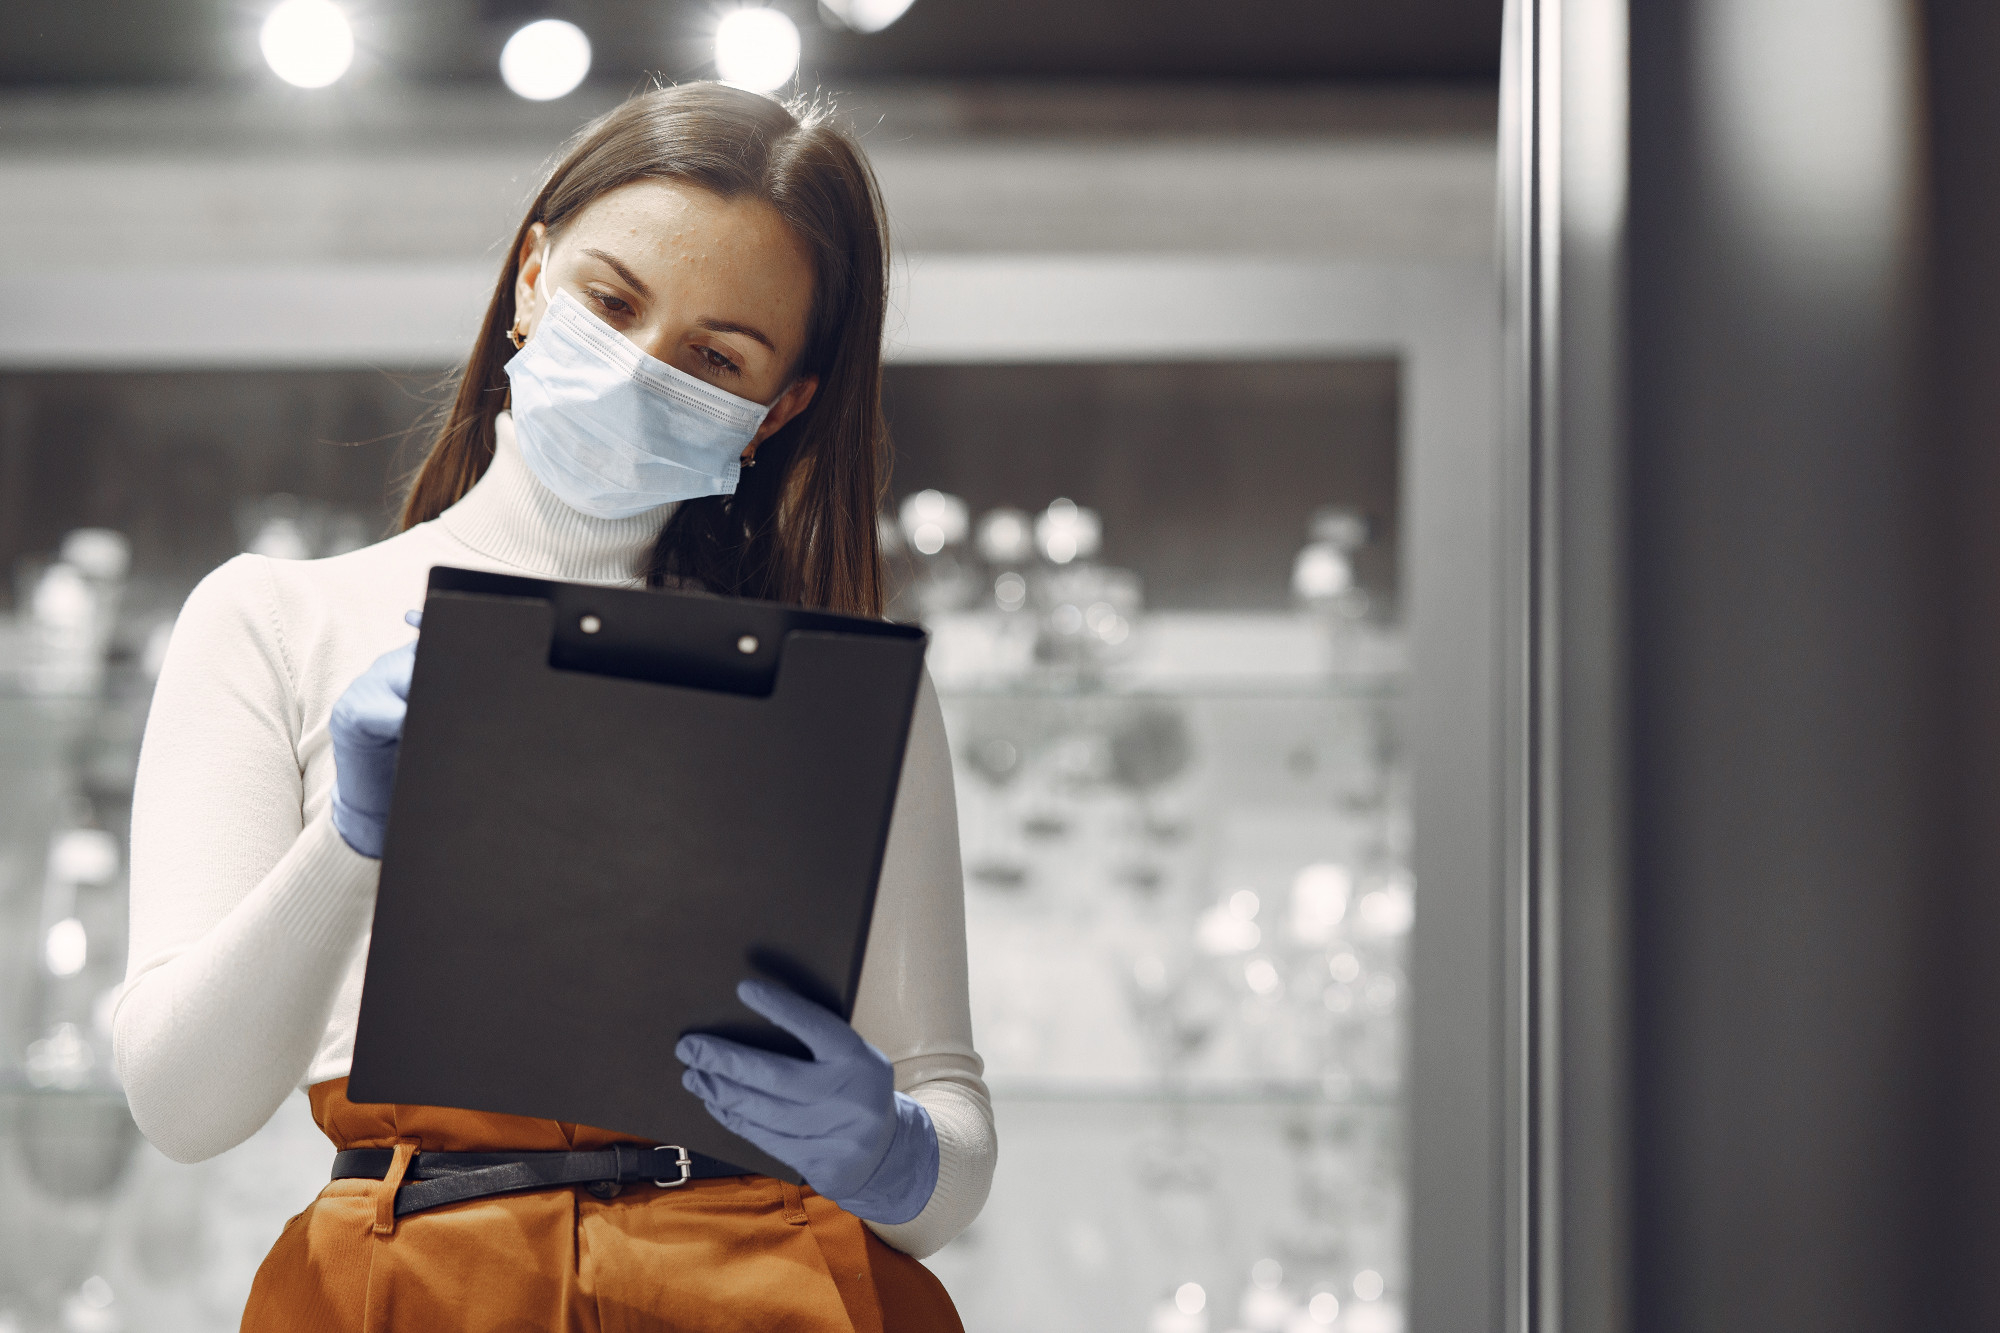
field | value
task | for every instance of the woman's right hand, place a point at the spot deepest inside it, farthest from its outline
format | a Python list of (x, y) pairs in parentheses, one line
[(367, 731)]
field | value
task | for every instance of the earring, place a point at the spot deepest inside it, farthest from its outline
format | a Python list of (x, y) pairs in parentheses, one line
[(748, 460), (515, 336)]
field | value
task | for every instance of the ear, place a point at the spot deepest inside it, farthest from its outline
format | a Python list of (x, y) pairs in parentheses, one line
[(534, 258), (790, 403)]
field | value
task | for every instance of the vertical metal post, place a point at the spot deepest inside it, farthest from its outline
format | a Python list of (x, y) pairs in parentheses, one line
[(1563, 253), (1465, 580)]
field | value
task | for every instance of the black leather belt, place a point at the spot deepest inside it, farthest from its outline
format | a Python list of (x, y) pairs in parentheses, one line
[(434, 1179)]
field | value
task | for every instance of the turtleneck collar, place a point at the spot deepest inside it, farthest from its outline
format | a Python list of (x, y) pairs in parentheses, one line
[(511, 517)]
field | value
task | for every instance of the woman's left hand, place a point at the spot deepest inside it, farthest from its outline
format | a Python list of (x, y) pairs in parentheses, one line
[(836, 1119)]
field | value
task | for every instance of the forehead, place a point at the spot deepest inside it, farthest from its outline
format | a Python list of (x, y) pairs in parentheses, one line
[(676, 232), (671, 206)]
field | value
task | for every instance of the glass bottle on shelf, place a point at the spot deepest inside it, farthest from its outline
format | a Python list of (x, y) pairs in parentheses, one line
[(1007, 631), (1324, 586), (1087, 611), (934, 527)]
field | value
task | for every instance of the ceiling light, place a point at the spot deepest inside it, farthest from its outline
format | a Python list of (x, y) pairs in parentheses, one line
[(866, 15), (307, 43), (545, 60), (756, 49)]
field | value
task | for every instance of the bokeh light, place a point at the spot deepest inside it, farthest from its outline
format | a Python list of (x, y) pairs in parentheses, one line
[(307, 43), (932, 520), (67, 948), (545, 60), (756, 49)]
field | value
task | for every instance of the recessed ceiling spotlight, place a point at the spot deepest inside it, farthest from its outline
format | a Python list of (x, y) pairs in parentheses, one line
[(866, 15), (756, 48), (307, 43), (545, 60)]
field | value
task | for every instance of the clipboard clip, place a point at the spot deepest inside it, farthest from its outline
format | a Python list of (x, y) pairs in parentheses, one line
[(700, 643)]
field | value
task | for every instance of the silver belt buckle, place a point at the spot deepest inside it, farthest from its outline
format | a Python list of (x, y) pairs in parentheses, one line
[(683, 1161)]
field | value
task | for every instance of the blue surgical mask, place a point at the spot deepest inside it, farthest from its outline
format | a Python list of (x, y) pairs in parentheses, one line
[(613, 432)]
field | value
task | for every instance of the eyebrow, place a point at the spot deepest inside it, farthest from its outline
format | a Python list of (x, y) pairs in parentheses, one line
[(618, 267), (631, 280), (725, 326)]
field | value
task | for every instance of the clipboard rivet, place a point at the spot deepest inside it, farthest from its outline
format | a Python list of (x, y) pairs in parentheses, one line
[(747, 644), (590, 624)]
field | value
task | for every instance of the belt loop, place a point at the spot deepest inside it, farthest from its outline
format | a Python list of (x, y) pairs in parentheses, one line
[(385, 1198), (795, 1203)]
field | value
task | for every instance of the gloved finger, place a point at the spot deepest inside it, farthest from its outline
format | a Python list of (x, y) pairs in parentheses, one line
[(787, 1148), (781, 1110), (369, 714), (376, 704), (373, 732), (745, 1064), (735, 1089), (775, 1106), (826, 1034), (747, 1109), (397, 665), (393, 666), (414, 619)]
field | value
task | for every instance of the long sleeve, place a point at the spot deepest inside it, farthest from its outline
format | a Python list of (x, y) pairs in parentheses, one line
[(244, 916), (912, 1001)]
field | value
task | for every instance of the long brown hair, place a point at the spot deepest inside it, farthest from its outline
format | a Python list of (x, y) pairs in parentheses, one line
[(801, 525)]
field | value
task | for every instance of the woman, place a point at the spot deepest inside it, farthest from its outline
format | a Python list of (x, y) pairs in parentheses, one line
[(697, 296)]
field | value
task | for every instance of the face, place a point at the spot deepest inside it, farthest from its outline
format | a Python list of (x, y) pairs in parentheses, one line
[(719, 288)]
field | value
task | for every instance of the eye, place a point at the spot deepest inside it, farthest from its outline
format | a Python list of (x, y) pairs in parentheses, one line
[(717, 362), (611, 304)]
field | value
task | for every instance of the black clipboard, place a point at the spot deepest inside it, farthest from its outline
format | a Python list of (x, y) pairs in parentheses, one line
[(612, 805)]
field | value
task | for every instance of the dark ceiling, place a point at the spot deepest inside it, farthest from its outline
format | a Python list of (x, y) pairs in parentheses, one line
[(75, 42)]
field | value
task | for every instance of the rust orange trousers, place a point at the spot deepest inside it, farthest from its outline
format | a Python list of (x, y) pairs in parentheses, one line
[(741, 1253)]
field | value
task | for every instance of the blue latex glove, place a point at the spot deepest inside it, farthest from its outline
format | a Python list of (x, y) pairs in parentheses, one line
[(367, 731), (836, 1119)]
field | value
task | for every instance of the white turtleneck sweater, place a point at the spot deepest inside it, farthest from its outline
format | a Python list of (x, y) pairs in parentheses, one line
[(250, 915)]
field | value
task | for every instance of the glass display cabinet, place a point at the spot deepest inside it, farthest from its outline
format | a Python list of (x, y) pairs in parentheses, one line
[(1188, 901), (1233, 899), (1184, 813)]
